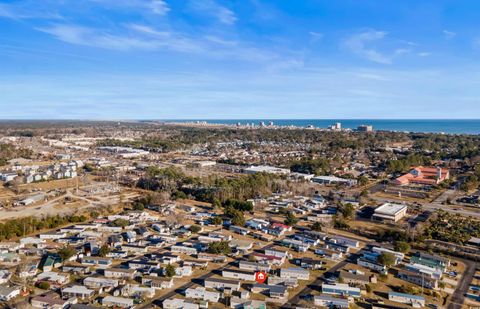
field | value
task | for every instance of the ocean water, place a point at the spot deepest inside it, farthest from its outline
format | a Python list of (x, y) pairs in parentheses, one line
[(448, 126)]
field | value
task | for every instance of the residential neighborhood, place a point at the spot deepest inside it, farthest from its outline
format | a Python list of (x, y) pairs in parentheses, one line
[(131, 228)]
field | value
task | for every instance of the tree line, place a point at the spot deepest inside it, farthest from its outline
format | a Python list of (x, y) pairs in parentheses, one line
[(212, 189), (28, 225)]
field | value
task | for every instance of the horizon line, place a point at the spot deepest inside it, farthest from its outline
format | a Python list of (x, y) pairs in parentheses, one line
[(223, 119)]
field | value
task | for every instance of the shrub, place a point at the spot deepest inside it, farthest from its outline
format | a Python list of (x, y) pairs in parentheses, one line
[(195, 229), (170, 270), (43, 285)]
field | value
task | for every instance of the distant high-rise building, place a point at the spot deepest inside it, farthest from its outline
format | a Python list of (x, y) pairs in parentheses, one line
[(365, 128), (336, 127), (270, 123)]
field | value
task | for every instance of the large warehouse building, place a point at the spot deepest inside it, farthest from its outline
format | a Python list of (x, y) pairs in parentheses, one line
[(390, 212)]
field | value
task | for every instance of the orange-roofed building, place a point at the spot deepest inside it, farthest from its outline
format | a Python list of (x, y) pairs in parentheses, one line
[(428, 176)]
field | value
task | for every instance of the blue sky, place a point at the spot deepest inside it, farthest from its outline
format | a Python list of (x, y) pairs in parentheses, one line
[(167, 59)]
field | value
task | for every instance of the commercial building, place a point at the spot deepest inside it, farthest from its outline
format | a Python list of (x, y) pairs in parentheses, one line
[(337, 126), (420, 175), (334, 180), (266, 169), (390, 212), (204, 163), (33, 199), (474, 241), (365, 128)]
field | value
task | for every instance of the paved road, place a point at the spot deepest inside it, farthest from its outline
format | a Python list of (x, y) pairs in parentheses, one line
[(436, 205), (293, 301), (458, 297), (197, 280), (456, 301)]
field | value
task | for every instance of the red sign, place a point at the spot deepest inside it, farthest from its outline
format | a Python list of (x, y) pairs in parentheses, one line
[(260, 276)]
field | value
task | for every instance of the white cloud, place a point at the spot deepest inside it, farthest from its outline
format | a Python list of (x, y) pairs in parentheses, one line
[(286, 65), (5, 11), (364, 93), (210, 7), (366, 45), (372, 76), (18, 12), (142, 37), (85, 36), (220, 41), (167, 39), (315, 36), (401, 51), (159, 7), (148, 30), (449, 34), (358, 45), (424, 54)]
